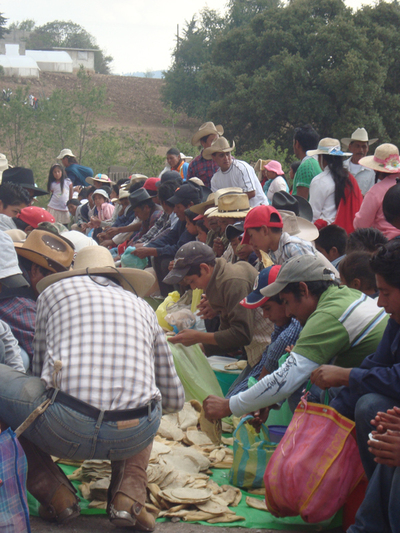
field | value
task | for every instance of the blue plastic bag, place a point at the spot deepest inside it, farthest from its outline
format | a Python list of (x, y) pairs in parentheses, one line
[(132, 261)]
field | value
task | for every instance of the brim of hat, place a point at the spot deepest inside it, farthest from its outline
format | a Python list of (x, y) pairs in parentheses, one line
[(38, 190), (274, 288), (231, 232), (208, 152), (310, 153), (307, 230), (131, 279), (346, 141), (200, 134), (253, 300), (91, 181), (200, 209), (230, 214), (13, 282), (39, 259), (176, 275), (305, 209), (369, 162)]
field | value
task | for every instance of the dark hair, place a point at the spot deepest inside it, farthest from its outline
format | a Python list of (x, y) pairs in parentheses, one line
[(365, 239), (340, 176), (106, 188), (115, 188), (386, 263), (190, 214), (276, 298), (294, 166), (121, 181), (137, 184), (13, 194), (204, 139), (71, 159), (391, 203), (166, 190), (316, 288), (51, 179), (91, 190), (357, 265), (174, 151), (194, 270), (74, 201), (307, 137), (27, 265), (332, 236), (200, 224), (83, 193)]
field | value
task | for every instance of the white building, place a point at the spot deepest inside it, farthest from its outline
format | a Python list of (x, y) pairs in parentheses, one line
[(51, 61), (81, 57), (16, 65)]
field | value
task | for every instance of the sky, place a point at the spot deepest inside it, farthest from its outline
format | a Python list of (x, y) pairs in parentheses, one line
[(139, 34)]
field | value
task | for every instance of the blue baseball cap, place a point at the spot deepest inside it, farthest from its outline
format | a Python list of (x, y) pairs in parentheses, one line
[(265, 277)]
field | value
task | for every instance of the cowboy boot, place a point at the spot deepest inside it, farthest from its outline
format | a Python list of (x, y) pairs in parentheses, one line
[(49, 485), (127, 493)]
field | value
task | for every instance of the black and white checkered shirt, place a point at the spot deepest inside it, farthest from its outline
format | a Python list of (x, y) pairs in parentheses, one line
[(114, 354)]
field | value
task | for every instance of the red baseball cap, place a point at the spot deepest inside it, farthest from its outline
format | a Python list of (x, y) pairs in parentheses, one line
[(260, 216), (150, 184), (33, 215)]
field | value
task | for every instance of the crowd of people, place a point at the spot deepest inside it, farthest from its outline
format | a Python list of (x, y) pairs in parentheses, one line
[(300, 278)]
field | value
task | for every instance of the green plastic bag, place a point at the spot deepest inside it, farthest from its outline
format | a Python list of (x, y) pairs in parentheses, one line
[(194, 371)]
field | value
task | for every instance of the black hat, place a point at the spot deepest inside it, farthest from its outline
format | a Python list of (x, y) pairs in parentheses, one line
[(170, 175), (187, 191), (138, 197), (234, 230), (284, 201), (24, 178), (191, 253)]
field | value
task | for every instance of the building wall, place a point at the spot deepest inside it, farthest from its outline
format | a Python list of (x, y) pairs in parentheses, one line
[(84, 58)]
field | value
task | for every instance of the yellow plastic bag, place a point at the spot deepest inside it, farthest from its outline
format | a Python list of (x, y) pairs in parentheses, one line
[(196, 297), (161, 311)]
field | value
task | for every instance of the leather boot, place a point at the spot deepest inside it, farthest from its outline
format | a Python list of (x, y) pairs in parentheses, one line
[(127, 493), (49, 485)]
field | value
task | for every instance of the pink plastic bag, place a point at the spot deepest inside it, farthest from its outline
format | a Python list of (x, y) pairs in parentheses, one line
[(316, 465)]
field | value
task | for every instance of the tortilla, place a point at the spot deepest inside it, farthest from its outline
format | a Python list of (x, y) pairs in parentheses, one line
[(256, 503), (213, 429)]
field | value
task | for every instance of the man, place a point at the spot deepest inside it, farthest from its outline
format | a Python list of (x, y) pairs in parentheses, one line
[(76, 173), (164, 248), (233, 173), (145, 210), (224, 284), (331, 242), (104, 362), (359, 144), (200, 167), (339, 324), (23, 177), (305, 138)]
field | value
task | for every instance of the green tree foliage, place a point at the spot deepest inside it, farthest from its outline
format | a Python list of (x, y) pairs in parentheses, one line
[(272, 66), (62, 34), (3, 29), (25, 25)]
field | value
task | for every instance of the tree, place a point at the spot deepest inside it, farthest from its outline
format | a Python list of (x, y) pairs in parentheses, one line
[(25, 25), (61, 34), (3, 29)]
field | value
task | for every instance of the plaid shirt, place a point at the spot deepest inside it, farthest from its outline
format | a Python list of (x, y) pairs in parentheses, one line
[(202, 168), (19, 314), (290, 246), (114, 354), (147, 224), (161, 224)]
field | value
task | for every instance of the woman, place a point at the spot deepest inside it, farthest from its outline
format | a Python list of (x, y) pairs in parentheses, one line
[(175, 161), (335, 196), (275, 179), (386, 163)]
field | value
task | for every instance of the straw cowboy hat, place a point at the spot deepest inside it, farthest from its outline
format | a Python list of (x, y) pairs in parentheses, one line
[(219, 145), (208, 128), (259, 167), (97, 260), (200, 209), (46, 249), (64, 153), (360, 135), (217, 194), (298, 227), (328, 146), (122, 194), (232, 205), (385, 159), (99, 178)]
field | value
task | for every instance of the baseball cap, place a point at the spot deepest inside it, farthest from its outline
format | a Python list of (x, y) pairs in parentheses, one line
[(304, 268), (191, 253), (10, 273), (33, 215), (260, 216), (170, 175), (264, 278), (151, 186), (187, 191)]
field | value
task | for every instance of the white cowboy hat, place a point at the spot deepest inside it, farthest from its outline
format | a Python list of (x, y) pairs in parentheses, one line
[(234, 205), (219, 145), (328, 146), (298, 226), (64, 153), (97, 260), (212, 205), (208, 128), (361, 135), (385, 159)]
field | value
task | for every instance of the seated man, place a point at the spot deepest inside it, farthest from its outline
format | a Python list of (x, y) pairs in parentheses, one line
[(339, 324), (331, 242), (106, 380), (146, 211), (13, 198)]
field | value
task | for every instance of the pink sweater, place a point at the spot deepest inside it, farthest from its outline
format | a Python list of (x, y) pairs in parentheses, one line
[(106, 211), (371, 213)]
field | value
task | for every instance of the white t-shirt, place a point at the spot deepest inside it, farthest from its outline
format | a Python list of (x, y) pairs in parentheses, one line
[(242, 175), (365, 177), (322, 197), (59, 199), (278, 184)]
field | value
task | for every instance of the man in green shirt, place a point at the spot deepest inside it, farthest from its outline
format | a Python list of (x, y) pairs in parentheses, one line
[(305, 138)]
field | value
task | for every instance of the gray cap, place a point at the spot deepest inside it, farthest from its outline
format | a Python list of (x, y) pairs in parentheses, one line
[(191, 253), (139, 196), (303, 268), (10, 273)]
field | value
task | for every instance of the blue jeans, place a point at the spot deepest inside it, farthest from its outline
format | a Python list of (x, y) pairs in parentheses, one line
[(380, 510), (65, 433)]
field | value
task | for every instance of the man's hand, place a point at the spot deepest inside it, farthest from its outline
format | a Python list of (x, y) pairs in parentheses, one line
[(218, 246), (326, 376), (187, 337), (206, 311), (111, 232), (259, 418), (145, 252), (385, 421), (387, 449), (216, 408)]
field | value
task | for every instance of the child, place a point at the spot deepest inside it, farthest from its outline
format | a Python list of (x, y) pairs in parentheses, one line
[(202, 231), (244, 252), (60, 187), (275, 179), (356, 272), (191, 226), (103, 207), (13, 198)]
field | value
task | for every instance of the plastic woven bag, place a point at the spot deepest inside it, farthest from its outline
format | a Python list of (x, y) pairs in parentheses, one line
[(194, 371), (316, 465), (251, 453), (14, 514)]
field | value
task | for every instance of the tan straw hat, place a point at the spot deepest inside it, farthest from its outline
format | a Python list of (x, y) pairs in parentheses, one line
[(123, 193), (99, 178), (328, 146), (298, 226), (259, 167), (219, 145), (208, 128), (217, 194), (97, 260), (46, 249), (232, 205), (361, 135), (385, 159)]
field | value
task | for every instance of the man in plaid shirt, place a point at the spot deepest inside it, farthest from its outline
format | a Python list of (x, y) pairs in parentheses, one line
[(200, 167), (103, 361)]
